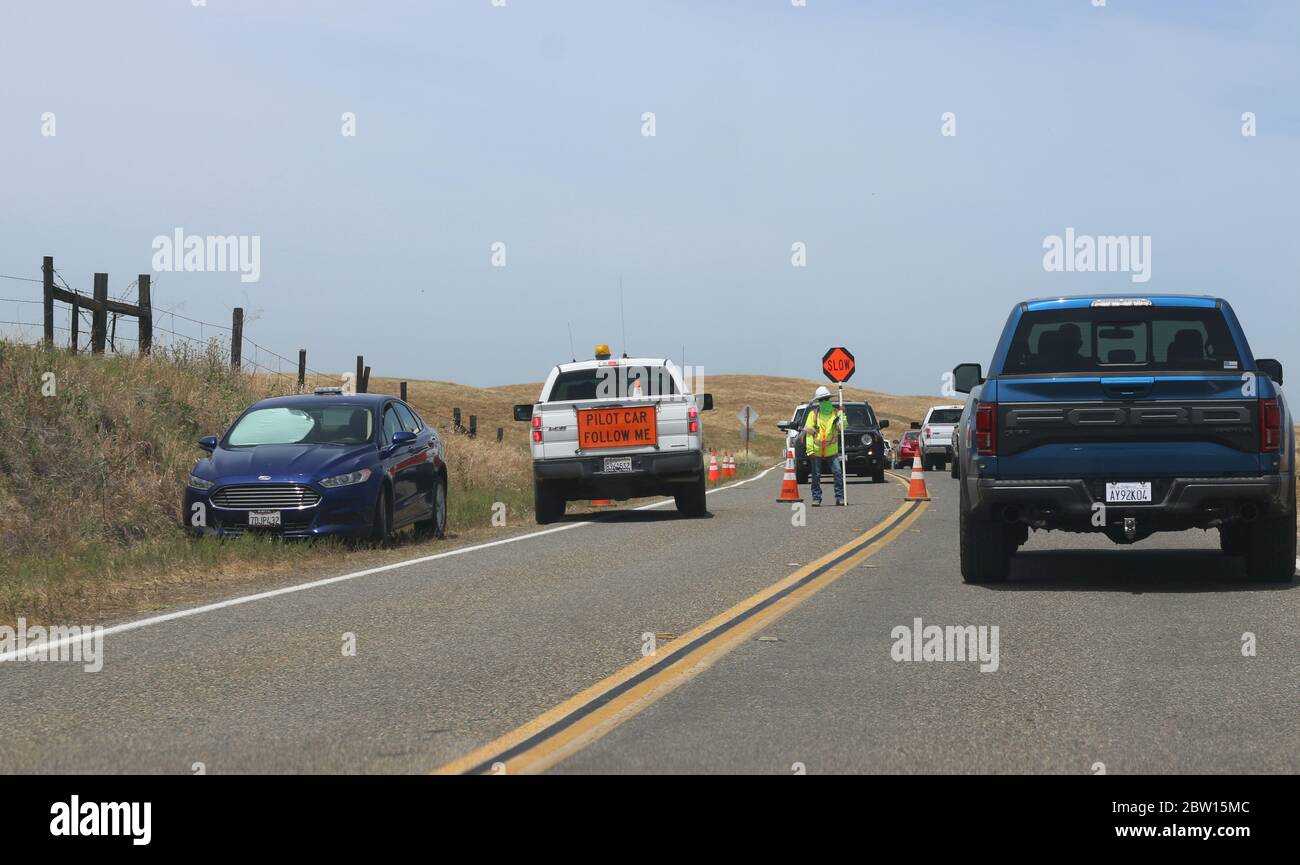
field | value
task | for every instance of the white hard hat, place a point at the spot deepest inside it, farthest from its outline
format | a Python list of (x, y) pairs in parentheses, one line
[(823, 392)]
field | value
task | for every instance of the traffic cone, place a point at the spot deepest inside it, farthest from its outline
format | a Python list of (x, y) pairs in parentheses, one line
[(916, 491), (602, 503), (789, 484), (728, 465), (713, 467)]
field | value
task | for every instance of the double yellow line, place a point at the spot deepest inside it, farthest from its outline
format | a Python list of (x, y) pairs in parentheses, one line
[(582, 719)]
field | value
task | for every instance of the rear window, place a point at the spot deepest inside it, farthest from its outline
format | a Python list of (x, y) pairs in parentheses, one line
[(913, 435), (612, 382), (945, 415), (1118, 339)]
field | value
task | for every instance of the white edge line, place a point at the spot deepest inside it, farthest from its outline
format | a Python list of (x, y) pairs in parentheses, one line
[(45, 646)]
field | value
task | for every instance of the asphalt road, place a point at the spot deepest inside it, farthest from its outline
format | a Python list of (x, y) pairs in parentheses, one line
[(1128, 657)]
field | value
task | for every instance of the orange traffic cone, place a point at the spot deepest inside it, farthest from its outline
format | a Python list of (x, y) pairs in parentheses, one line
[(916, 491), (728, 465), (789, 484), (713, 467), (602, 503)]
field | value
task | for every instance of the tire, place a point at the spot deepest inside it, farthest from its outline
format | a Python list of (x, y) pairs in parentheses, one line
[(1271, 548), (436, 525), (986, 547), (1232, 539), (548, 502), (691, 500), (381, 525), (952, 472), (878, 476)]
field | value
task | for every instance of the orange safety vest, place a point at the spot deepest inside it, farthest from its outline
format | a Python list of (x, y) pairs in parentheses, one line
[(826, 432)]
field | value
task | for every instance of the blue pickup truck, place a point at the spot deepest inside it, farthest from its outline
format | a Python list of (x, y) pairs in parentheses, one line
[(1126, 416)]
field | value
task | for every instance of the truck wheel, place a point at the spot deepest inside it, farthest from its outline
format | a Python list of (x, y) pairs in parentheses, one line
[(986, 547), (548, 502), (1270, 548), (690, 500)]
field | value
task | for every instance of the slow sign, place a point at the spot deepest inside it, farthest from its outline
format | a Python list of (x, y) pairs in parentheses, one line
[(631, 426), (838, 364)]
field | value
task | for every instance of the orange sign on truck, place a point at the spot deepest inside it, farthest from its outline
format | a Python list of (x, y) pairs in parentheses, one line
[(617, 427)]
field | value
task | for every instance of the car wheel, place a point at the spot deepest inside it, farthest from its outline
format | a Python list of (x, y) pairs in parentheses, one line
[(548, 502), (691, 500), (381, 525), (986, 547), (436, 524)]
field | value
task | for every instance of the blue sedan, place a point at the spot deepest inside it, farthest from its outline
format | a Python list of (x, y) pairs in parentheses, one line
[(356, 465)]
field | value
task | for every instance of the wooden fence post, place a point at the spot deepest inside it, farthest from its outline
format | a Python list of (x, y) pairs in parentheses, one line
[(365, 380), (455, 420), (302, 368), (76, 326), (47, 277), (473, 425), (500, 434), (361, 365), (99, 317), (144, 323), (236, 337), (403, 391)]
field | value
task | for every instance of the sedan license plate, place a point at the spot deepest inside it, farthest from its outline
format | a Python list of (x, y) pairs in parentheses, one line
[(618, 464), (264, 518), (1129, 492)]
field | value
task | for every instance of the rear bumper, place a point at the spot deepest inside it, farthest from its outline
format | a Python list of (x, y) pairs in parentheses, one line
[(1187, 501), (666, 467)]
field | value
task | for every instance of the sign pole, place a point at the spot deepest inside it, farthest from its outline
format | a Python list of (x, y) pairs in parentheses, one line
[(844, 474)]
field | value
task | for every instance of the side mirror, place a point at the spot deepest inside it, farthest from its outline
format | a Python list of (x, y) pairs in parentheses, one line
[(403, 437), (884, 423), (1271, 368), (208, 443), (707, 402), (966, 377), (916, 424), (783, 424), (524, 412)]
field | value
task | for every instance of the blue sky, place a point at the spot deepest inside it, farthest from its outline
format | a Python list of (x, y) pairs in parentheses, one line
[(775, 124)]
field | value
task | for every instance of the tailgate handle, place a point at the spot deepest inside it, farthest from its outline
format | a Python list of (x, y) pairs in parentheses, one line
[(1127, 388)]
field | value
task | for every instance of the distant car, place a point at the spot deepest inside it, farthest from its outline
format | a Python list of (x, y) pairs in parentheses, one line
[(864, 445), (956, 448), (936, 436), (356, 465), (909, 446)]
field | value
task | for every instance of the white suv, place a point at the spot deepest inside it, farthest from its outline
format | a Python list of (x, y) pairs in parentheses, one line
[(936, 435), (616, 428)]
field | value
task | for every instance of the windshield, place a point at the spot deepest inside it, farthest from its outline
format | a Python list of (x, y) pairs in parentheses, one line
[(326, 424), (1111, 339), (612, 382), (945, 415), (859, 416)]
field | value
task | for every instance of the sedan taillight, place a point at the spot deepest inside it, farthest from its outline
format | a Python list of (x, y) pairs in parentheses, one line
[(986, 429)]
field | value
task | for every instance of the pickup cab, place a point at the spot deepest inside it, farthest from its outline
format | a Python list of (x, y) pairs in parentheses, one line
[(616, 428), (1125, 416)]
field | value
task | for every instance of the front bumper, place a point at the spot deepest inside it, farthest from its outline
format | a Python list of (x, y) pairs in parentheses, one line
[(1189, 501), (341, 512)]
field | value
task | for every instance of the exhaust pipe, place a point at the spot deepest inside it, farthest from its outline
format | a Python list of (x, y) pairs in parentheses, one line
[(1249, 511)]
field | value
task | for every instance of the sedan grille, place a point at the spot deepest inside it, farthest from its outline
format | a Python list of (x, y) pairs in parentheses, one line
[(256, 497)]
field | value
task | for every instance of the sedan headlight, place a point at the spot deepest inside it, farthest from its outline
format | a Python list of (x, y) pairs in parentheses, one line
[(199, 483), (357, 477)]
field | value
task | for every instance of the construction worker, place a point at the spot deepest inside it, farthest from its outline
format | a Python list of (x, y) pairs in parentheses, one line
[(822, 427)]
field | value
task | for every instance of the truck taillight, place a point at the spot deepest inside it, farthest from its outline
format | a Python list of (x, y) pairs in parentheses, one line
[(1270, 426), (926, 432), (986, 429), (537, 428), (693, 414)]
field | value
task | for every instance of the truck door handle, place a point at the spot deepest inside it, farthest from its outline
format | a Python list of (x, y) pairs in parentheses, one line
[(1127, 388)]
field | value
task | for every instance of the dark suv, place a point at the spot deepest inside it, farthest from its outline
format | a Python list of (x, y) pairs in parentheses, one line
[(864, 446)]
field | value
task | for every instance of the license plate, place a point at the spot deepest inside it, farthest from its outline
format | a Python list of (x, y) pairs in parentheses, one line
[(618, 464), (1124, 493), (264, 518), (622, 427)]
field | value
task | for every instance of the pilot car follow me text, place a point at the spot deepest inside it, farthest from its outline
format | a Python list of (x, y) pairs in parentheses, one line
[(1126, 416)]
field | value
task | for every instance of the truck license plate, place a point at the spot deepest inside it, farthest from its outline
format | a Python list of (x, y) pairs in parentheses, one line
[(1128, 492), (618, 464), (264, 518)]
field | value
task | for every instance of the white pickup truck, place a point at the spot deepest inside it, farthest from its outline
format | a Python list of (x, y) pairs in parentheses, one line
[(616, 428), (936, 435)]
